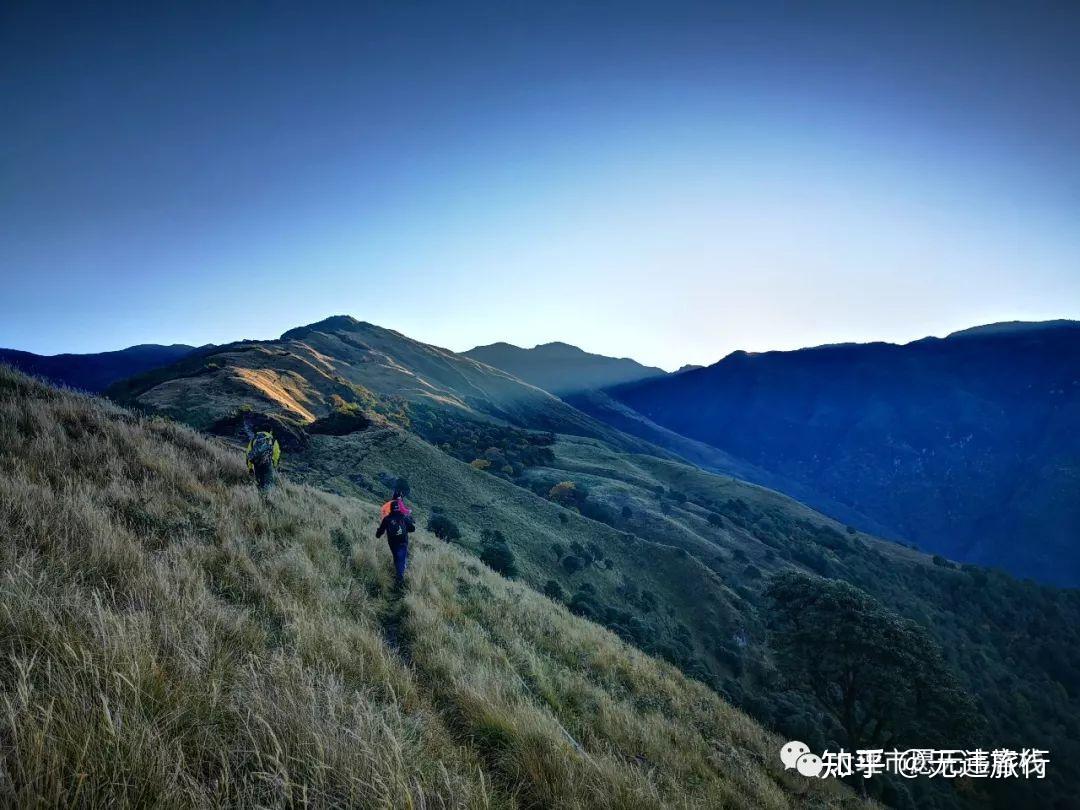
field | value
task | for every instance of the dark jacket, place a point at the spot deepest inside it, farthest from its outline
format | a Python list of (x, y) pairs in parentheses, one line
[(397, 527)]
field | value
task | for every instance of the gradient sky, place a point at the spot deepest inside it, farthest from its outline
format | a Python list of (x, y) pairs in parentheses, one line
[(669, 181)]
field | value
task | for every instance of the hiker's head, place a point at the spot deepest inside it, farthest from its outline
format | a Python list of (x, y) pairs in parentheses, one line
[(395, 505)]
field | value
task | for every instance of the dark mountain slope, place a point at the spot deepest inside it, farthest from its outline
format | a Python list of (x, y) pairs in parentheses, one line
[(967, 445), (605, 408), (95, 372), (561, 368)]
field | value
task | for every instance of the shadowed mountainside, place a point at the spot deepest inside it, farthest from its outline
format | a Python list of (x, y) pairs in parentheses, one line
[(95, 372), (966, 445), (605, 408), (561, 368)]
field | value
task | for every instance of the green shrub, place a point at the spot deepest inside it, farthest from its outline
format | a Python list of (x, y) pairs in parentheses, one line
[(507, 449), (553, 590), (500, 558), (572, 564), (564, 493), (497, 554), (444, 528), (941, 562)]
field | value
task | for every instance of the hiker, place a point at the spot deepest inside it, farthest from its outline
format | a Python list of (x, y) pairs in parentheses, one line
[(399, 499), (263, 452), (397, 526)]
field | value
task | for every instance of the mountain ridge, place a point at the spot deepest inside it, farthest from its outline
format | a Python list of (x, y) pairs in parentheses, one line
[(95, 372), (562, 368)]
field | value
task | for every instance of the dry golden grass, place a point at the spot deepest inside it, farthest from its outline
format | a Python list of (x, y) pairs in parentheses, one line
[(573, 717), (168, 638)]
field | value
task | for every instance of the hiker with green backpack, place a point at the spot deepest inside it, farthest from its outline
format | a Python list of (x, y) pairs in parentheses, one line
[(263, 453)]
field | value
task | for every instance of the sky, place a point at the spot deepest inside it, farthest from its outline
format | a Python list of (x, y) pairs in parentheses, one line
[(668, 181)]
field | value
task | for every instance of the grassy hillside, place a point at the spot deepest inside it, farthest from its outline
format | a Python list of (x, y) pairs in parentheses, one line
[(1015, 645), (674, 560), (671, 580), (174, 640), (541, 535)]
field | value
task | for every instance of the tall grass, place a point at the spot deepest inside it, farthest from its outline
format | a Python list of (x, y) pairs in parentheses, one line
[(573, 717), (169, 638)]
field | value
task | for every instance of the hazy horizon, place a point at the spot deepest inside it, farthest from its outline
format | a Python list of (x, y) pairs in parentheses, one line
[(668, 182)]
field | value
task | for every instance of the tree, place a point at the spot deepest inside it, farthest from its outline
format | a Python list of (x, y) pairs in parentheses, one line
[(879, 676)]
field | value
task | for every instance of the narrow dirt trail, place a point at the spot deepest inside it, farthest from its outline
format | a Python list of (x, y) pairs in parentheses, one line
[(392, 619)]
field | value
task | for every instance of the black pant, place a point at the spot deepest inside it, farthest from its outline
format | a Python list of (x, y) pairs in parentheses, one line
[(264, 475)]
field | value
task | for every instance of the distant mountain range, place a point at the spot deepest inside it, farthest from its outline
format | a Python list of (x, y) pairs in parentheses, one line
[(561, 368), (967, 445), (95, 372)]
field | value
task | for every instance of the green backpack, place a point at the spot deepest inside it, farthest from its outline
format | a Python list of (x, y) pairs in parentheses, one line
[(262, 449)]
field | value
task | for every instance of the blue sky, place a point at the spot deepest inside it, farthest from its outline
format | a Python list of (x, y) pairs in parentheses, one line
[(668, 181)]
